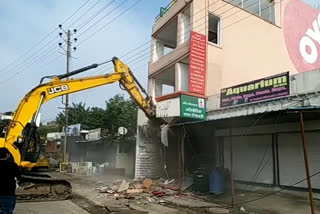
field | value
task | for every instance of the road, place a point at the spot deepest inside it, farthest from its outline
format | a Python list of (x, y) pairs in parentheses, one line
[(52, 207)]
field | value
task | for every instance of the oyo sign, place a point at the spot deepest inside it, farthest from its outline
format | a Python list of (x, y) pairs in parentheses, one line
[(308, 46), (301, 27)]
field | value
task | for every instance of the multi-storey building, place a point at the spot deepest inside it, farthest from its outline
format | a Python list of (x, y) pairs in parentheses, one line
[(228, 72)]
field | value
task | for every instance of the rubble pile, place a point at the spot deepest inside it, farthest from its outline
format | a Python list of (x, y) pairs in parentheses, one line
[(146, 190), (149, 194)]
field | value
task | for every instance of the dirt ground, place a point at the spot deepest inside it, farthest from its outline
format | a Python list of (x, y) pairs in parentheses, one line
[(87, 196)]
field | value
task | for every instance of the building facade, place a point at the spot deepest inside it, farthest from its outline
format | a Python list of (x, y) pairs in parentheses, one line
[(234, 73)]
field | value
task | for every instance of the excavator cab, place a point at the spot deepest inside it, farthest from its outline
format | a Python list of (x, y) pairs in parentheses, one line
[(3, 127), (30, 143)]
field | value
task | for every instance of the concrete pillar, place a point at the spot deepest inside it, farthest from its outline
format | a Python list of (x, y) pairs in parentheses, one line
[(157, 50), (155, 88), (181, 77), (184, 26)]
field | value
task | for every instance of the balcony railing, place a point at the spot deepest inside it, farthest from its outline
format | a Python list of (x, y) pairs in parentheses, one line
[(164, 10)]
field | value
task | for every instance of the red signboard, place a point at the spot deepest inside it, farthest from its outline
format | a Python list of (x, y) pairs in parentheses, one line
[(301, 28), (198, 63)]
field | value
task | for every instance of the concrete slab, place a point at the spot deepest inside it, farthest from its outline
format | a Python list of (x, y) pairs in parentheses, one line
[(51, 207), (153, 208), (189, 202), (217, 210)]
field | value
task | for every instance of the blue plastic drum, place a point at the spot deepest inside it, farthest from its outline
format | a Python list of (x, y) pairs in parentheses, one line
[(217, 182)]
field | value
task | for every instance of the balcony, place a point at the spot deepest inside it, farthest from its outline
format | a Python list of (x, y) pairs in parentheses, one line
[(171, 43), (168, 13), (173, 78), (170, 59)]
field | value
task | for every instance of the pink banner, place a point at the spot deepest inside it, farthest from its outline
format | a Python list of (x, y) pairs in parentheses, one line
[(301, 28)]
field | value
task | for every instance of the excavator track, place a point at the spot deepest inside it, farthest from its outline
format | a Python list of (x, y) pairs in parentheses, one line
[(41, 187)]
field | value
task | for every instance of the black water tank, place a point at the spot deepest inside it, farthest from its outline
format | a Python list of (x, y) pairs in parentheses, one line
[(201, 180)]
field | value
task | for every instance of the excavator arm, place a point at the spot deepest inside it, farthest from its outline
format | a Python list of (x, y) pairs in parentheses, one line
[(26, 113)]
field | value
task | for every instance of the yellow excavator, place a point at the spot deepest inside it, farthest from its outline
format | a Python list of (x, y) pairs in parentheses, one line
[(22, 140)]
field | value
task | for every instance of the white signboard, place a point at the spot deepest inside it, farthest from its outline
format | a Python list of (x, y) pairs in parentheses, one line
[(94, 134), (5, 117), (74, 130), (54, 136), (168, 108)]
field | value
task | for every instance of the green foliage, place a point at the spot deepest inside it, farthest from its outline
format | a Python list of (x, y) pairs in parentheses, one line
[(118, 112), (89, 118), (44, 130)]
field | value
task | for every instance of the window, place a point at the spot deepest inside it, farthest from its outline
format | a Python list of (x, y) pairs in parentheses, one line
[(267, 10), (214, 29), (237, 3), (262, 8), (252, 6)]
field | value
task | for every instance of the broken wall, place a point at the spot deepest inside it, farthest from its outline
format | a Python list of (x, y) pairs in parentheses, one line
[(149, 161)]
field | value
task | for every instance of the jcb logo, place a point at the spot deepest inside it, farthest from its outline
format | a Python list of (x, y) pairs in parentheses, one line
[(58, 89)]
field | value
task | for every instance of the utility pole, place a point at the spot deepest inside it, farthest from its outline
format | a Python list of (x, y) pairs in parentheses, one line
[(67, 52)]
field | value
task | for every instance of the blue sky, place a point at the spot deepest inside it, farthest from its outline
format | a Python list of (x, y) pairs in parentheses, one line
[(24, 23), (313, 2)]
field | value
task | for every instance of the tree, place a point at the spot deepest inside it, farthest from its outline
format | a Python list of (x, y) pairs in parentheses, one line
[(120, 112), (44, 130), (89, 118)]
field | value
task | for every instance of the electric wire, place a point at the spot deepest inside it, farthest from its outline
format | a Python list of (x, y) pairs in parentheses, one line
[(18, 72), (75, 12), (105, 25), (260, 167), (120, 15), (197, 20), (21, 64), (185, 33), (95, 15), (202, 24), (97, 2), (219, 8), (33, 59), (41, 40), (201, 18), (102, 18), (281, 190)]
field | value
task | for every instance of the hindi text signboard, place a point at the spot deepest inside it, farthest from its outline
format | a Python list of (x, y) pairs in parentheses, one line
[(193, 107), (198, 63)]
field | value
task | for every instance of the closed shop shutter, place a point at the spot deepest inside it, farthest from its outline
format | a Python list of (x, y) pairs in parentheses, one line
[(252, 158), (291, 160)]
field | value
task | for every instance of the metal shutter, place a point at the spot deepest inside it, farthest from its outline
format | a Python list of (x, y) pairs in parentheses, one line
[(248, 153), (291, 160)]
